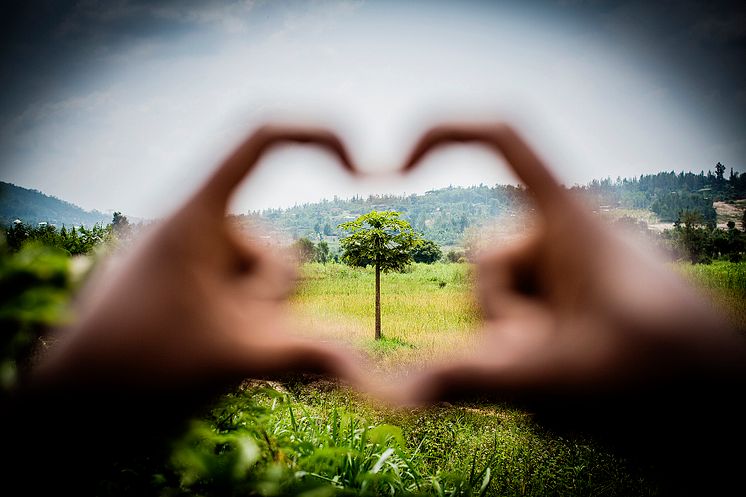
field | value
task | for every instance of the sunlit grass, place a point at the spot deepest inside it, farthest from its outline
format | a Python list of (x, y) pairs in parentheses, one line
[(427, 313)]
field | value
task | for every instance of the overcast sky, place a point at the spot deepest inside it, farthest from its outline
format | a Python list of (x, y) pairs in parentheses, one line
[(127, 105)]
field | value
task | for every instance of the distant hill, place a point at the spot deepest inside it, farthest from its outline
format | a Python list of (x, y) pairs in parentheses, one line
[(440, 215), (443, 215), (32, 207)]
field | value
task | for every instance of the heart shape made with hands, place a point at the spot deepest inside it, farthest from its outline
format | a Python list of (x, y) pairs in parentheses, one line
[(566, 309)]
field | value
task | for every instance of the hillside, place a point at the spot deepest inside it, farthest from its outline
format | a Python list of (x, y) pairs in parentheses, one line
[(440, 215), (32, 207), (443, 215)]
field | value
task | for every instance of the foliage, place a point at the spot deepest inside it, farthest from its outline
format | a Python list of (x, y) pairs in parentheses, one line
[(74, 241), (322, 252), (259, 439), (35, 284), (380, 239), (703, 244), (427, 251), (303, 437), (442, 215)]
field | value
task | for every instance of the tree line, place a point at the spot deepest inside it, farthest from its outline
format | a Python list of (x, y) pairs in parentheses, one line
[(669, 194), (444, 214), (73, 240)]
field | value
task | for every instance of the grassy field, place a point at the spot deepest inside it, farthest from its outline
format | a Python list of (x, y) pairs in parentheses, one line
[(428, 312)]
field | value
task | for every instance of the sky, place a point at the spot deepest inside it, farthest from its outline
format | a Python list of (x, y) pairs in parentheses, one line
[(127, 105)]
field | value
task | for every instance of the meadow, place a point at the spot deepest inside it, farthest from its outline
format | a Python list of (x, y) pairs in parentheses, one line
[(428, 312)]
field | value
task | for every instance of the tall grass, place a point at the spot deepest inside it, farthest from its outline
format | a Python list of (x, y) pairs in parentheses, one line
[(725, 284), (427, 312), (306, 439)]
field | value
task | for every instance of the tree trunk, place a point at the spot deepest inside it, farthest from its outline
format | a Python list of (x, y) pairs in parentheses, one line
[(378, 302)]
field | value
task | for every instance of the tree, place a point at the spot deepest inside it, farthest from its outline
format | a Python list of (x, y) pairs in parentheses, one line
[(322, 252), (120, 225), (719, 172), (382, 240), (427, 251), (304, 249)]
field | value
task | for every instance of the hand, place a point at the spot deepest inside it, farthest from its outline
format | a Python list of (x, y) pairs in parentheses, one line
[(573, 311), (194, 303)]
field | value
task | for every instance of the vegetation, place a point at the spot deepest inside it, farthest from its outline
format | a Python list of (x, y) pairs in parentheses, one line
[(74, 241), (381, 240), (429, 310), (444, 214), (693, 241), (668, 194), (427, 251), (439, 215)]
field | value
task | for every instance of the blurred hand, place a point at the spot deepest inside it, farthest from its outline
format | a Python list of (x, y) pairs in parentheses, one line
[(572, 309), (193, 302)]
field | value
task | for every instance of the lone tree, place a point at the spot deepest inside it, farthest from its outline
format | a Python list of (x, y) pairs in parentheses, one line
[(382, 240)]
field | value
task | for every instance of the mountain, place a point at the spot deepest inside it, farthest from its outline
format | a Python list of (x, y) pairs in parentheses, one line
[(32, 207)]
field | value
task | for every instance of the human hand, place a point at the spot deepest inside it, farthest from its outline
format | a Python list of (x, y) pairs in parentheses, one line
[(573, 311), (194, 303)]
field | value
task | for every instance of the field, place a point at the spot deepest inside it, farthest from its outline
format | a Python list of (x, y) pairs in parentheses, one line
[(327, 440), (428, 312)]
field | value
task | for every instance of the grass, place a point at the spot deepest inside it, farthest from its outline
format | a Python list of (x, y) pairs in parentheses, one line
[(725, 284), (302, 438), (427, 313)]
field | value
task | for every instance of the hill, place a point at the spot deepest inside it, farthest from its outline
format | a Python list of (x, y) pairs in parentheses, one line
[(33, 207), (440, 215), (443, 215)]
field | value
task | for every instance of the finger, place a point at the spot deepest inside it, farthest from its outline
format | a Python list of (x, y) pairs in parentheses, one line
[(218, 188), (502, 139), (506, 278), (287, 354), (259, 272)]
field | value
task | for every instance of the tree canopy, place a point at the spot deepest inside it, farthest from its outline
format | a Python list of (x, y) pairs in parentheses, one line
[(427, 251), (379, 238)]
